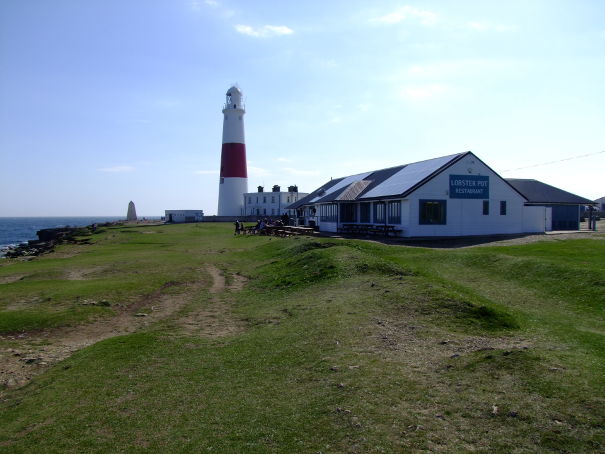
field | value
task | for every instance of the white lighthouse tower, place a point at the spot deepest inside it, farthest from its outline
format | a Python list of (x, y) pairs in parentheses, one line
[(234, 171)]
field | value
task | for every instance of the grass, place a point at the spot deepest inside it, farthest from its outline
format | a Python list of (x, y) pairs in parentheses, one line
[(346, 346)]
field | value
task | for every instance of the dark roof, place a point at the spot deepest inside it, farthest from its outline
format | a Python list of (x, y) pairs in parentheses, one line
[(379, 184), (371, 179), (537, 192), (306, 199)]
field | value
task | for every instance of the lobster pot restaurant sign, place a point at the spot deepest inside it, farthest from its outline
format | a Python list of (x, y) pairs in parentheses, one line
[(469, 187)]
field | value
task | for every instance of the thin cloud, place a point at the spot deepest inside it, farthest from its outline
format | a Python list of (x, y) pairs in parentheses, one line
[(283, 160), (258, 171), (266, 31), (487, 27), (196, 5), (425, 91), (362, 165), (423, 16), (300, 172), (449, 69), (206, 172), (117, 169)]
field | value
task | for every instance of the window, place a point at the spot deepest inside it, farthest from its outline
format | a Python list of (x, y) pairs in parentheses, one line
[(394, 212), (503, 207), (432, 212), (379, 212), (328, 212), (256, 199), (249, 199), (264, 211), (264, 199), (486, 207), (272, 199), (272, 211), (364, 212), (288, 200), (348, 212)]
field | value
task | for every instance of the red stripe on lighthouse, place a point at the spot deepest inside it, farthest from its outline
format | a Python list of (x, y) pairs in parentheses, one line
[(233, 160)]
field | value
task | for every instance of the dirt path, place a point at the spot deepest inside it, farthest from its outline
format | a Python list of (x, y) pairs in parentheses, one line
[(81, 274), (214, 319), (37, 351)]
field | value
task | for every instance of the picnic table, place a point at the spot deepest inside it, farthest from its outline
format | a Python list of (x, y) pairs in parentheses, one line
[(301, 230), (369, 229), (286, 230)]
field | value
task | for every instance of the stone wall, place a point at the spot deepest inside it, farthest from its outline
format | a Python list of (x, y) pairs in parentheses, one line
[(234, 218)]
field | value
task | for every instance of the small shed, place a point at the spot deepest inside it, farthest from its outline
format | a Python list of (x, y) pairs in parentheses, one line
[(565, 206), (180, 216)]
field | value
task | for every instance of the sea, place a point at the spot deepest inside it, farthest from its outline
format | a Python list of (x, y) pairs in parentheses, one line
[(14, 231)]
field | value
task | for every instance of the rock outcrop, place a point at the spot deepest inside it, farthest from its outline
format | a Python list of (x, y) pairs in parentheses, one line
[(49, 238)]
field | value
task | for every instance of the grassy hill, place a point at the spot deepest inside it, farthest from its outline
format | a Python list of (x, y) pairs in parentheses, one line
[(185, 338)]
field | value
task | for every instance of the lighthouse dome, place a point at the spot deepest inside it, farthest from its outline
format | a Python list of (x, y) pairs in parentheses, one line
[(234, 90)]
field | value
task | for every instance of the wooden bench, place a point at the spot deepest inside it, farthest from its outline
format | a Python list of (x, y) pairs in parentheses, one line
[(369, 229), (301, 230)]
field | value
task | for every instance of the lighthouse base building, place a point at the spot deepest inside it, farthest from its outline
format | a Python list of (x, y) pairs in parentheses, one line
[(455, 195), (274, 203)]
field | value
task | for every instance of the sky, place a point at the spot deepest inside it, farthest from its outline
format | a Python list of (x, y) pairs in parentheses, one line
[(107, 101)]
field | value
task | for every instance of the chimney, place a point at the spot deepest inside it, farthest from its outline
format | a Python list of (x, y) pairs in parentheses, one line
[(260, 189), (276, 188), (293, 188)]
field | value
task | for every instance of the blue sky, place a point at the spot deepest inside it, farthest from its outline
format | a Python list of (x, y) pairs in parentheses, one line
[(103, 102)]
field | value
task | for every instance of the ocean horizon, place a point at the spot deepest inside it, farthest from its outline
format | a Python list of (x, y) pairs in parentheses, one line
[(16, 230)]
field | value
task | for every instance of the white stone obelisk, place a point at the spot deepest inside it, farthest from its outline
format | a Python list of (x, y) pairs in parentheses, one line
[(132, 212)]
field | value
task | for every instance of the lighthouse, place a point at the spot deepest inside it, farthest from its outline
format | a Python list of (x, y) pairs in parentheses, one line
[(234, 174)]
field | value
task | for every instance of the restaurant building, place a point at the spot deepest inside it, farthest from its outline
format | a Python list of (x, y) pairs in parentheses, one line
[(454, 195)]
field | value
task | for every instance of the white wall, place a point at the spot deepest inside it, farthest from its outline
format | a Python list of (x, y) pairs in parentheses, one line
[(233, 126), (230, 196), (181, 215), (537, 219), (465, 216), (275, 202)]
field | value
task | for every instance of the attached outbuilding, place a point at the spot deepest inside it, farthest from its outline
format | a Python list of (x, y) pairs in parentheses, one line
[(565, 207), (455, 195)]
